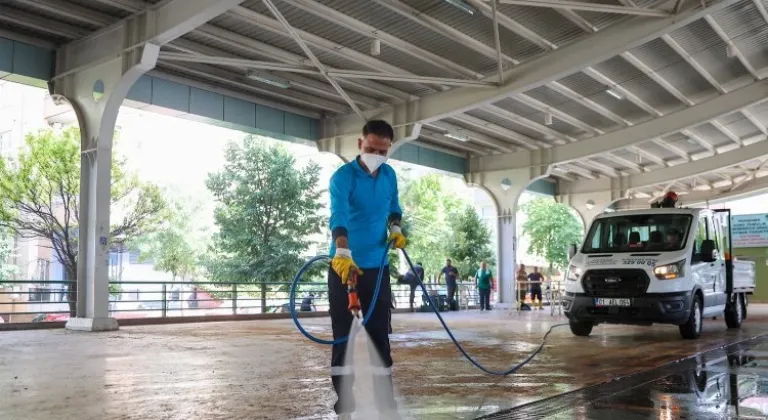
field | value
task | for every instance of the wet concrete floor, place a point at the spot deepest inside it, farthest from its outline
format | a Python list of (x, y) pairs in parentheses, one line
[(267, 370), (725, 383)]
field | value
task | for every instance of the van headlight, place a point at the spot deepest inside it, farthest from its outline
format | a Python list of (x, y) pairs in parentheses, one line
[(670, 271), (574, 273)]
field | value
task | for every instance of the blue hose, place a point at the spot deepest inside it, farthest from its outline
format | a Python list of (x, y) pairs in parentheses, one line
[(367, 316)]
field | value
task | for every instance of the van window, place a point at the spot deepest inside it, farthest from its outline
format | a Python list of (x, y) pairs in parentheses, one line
[(596, 238), (638, 232), (701, 236), (714, 231)]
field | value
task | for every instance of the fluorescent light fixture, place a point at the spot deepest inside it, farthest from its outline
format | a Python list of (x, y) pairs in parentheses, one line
[(269, 79), (462, 5), (614, 94), (375, 47), (547, 119), (458, 137)]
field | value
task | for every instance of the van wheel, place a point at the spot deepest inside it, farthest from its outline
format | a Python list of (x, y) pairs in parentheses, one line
[(734, 312), (691, 330), (581, 329)]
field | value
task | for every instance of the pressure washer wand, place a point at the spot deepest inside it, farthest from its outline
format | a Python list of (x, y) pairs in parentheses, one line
[(354, 301)]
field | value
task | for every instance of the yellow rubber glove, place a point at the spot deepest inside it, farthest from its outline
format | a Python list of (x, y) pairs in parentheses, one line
[(395, 234), (343, 264)]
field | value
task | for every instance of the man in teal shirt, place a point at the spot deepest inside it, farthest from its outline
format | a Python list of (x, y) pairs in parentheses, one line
[(484, 279)]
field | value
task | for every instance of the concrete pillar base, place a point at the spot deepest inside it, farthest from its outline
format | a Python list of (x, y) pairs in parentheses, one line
[(92, 324)]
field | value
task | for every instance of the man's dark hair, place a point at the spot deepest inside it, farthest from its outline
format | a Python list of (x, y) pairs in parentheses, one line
[(380, 128)]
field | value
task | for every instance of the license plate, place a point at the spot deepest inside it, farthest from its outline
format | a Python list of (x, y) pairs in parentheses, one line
[(612, 302)]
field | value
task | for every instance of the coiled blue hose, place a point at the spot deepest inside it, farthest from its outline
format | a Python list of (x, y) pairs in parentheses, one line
[(367, 316)]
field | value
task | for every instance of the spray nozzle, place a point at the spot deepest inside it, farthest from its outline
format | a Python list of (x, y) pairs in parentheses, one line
[(354, 302)]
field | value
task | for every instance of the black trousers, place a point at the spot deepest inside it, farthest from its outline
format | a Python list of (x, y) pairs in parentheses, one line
[(536, 292), (485, 298), (377, 328), (451, 294)]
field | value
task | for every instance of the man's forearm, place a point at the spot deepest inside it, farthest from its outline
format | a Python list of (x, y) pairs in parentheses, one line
[(342, 242)]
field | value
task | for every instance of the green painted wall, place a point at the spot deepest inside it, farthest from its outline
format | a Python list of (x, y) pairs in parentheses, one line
[(760, 258), (25, 63)]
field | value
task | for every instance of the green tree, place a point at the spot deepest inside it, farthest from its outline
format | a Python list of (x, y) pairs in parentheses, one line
[(266, 212), (8, 271), (470, 243), (177, 246), (40, 198), (551, 227), (427, 207)]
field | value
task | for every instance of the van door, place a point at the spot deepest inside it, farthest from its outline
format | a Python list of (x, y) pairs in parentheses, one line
[(703, 273), (716, 234)]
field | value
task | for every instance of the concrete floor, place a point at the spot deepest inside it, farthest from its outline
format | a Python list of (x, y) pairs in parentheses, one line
[(267, 370)]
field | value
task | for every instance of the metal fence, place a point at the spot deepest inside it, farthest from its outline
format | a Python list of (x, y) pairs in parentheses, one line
[(46, 301)]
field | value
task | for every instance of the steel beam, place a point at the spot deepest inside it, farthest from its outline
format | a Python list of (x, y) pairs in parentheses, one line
[(40, 24), (674, 149), (279, 16), (588, 7), (719, 194), (163, 23), (724, 36), (621, 90), (695, 64), (686, 170), (503, 132), (274, 26), (71, 11), (440, 138), (228, 78), (588, 103), (559, 137), (335, 17), (560, 115), (513, 26), (656, 77), (243, 63), (670, 123), (350, 74), (550, 67), (480, 138), (438, 26), (263, 49)]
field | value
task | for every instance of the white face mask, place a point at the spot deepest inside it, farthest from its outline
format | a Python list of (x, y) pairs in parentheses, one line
[(372, 161)]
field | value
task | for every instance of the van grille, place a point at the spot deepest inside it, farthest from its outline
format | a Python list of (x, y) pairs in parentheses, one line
[(615, 283)]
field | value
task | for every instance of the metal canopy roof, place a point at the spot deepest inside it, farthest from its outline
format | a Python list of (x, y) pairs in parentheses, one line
[(353, 56)]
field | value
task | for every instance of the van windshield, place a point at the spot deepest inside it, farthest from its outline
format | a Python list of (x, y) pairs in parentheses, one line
[(639, 232)]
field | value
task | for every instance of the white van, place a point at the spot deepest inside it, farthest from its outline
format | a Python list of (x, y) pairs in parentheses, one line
[(659, 265)]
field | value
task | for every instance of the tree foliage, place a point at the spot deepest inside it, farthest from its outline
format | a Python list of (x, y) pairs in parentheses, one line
[(470, 243), (551, 227), (266, 212), (8, 271), (40, 197), (177, 246), (427, 207)]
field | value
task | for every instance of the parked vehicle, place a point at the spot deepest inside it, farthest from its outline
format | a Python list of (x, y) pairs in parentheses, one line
[(660, 265)]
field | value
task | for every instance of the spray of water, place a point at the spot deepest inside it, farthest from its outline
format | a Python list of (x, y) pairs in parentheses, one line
[(362, 356)]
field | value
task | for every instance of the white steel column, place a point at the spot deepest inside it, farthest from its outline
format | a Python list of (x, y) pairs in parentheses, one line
[(505, 188), (97, 120), (94, 74)]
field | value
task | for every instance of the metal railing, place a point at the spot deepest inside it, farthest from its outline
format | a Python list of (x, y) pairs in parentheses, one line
[(45, 301)]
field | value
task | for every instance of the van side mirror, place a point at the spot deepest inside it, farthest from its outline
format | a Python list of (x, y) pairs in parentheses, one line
[(708, 251), (571, 250)]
